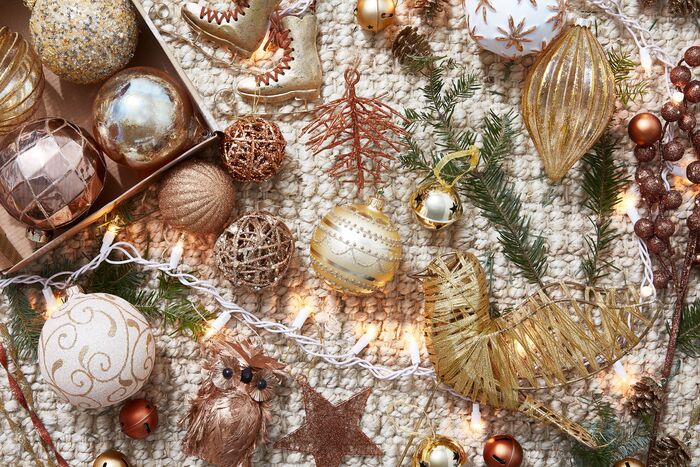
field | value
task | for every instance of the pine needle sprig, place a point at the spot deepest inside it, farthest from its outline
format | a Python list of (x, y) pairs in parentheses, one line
[(25, 322), (622, 65), (689, 334), (604, 181)]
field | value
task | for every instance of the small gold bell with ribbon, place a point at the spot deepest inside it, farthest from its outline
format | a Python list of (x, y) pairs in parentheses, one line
[(439, 451)]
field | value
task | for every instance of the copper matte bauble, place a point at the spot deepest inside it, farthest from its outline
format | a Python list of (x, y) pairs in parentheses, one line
[(143, 118), (645, 129), (439, 451), (503, 451), (52, 172), (111, 458), (629, 462), (138, 418), (375, 15)]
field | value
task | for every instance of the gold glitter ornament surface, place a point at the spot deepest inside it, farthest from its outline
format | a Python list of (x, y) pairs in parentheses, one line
[(197, 196), (21, 80), (435, 205), (84, 41), (439, 451), (356, 249)]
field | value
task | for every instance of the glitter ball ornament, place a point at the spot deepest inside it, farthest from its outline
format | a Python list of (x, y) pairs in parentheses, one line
[(439, 451), (51, 172), (255, 251), (95, 350), (375, 15), (84, 41), (138, 418), (111, 458), (436, 205), (252, 149), (143, 118), (503, 451), (21, 80), (197, 196), (356, 249), (515, 29)]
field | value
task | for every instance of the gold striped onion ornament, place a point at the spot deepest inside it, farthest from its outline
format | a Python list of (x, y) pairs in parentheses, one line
[(356, 249), (563, 333), (568, 99)]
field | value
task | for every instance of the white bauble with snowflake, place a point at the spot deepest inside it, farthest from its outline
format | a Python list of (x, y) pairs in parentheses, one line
[(515, 28)]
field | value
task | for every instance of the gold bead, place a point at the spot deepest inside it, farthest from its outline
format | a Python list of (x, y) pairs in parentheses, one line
[(629, 462), (111, 458), (439, 451), (375, 15), (435, 205)]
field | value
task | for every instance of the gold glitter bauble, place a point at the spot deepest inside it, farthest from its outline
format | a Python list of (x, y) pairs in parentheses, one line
[(253, 149), (435, 205), (375, 15), (21, 80), (439, 451), (84, 41), (143, 118), (356, 249), (111, 458), (629, 462), (197, 196)]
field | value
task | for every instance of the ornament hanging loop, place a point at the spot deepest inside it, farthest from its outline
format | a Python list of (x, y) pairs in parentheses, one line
[(474, 156)]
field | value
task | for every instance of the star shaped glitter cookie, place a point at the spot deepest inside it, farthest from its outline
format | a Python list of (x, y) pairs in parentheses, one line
[(330, 432)]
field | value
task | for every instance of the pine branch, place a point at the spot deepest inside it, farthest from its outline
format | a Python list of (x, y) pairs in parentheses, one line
[(25, 322), (689, 334), (622, 65)]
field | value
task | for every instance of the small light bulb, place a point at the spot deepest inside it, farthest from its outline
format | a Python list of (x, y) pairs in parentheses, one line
[(477, 424), (301, 318), (176, 254), (645, 59), (413, 349), (622, 376), (677, 97), (365, 340), (52, 301), (218, 324), (109, 237), (646, 291)]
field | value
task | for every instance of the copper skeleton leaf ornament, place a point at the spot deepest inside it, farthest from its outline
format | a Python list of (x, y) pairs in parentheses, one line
[(568, 99), (363, 124)]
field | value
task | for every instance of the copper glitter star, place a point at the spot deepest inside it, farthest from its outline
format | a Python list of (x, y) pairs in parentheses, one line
[(331, 432)]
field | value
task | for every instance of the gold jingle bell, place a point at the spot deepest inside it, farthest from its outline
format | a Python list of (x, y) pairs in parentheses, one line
[(375, 15), (629, 462), (439, 451), (111, 458), (436, 205)]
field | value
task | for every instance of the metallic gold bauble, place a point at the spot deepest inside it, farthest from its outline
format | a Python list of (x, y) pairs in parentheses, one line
[(84, 41), (435, 205), (21, 80), (111, 458), (52, 172), (356, 249), (645, 129), (503, 451), (375, 15), (629, 462), (439, 451), (138, 418), (197, 196), (143, 118)]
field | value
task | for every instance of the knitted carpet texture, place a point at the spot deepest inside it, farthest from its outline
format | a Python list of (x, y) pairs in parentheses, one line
[(303, 191)]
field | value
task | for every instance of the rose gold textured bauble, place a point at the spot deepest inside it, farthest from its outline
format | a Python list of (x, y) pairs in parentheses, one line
[(197, 196), (254, 252), (138, 418), (253, 149), (503, 451), (645, 129), (111, 458), (629, 462)]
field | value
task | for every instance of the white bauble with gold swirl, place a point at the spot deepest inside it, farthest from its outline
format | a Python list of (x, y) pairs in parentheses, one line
[(96, 350), (356, 249)]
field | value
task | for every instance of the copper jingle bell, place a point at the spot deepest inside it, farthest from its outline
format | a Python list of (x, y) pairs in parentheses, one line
[(138, 418), (111, 458), (503, 451), (375, 15), (629, 462), (439, 451)]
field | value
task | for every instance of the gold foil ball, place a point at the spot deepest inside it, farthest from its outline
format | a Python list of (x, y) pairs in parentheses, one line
[(375, 15), (21, 80), (436, 206), (629, 462), (111, 458), (143, 118), (84, 41), (356, 249), (197, 196), (439, 451)]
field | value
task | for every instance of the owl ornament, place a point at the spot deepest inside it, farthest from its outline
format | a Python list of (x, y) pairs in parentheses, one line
[(228, 418)]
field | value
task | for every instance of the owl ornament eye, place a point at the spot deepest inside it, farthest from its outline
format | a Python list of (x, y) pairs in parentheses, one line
[(226, 374), (262, 387)]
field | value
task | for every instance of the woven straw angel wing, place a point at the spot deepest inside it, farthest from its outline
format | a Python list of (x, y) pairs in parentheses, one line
[(568, 99), (563, 333)]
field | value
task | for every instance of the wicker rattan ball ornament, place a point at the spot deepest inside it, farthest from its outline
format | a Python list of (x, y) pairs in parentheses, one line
[(439, 451), (255, 251), (253, 149), (197, 196)]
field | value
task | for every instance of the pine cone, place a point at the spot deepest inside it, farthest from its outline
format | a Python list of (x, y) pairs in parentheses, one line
[(684, 7), (650, 3), (670, 452), (646, 396), (409, 45), (431, 8)]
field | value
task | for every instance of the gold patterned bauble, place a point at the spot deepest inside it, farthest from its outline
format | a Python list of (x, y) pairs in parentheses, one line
[(95, 350), (197, 196), (436, 205), (439, 451), (356, 249), (629, 462), (253, 149), (21, 80), (568, 99), (375, 15), (111, 458), (84, 41)]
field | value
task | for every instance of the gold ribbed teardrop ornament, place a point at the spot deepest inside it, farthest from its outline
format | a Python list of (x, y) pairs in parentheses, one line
[(563, 333), (568, 99)]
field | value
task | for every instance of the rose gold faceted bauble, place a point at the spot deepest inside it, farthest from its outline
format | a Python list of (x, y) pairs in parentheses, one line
[(138, 418), (375, 15), (111, 458), (503, 451), (645, 129), (629, 462), (51, 172), (143, 118), (21, 80), (252, 149), (197, 196)]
